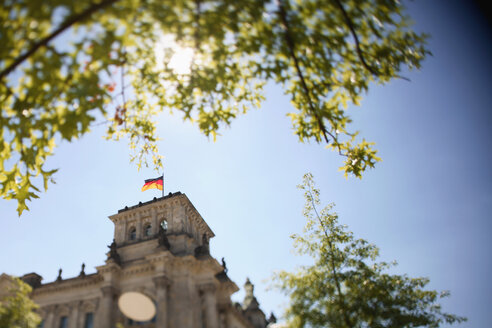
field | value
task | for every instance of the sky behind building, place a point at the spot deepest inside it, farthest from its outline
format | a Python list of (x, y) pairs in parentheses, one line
[(427, 205)]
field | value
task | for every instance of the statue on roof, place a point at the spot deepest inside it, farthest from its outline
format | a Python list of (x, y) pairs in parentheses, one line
[(205, 240), (224, 265), (204, 249), (113, 253), (82, 271), (162, 237)]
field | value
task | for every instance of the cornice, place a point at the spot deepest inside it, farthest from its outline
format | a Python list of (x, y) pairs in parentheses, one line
[(143, 207), (137, 270), (160, 257), (109, 267), (87, 305), (69, 284), (128, 244), (226, 284), (194, 215)]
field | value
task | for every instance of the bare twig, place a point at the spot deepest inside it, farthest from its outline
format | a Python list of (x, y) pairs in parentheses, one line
[(67, 24), (100, 123)]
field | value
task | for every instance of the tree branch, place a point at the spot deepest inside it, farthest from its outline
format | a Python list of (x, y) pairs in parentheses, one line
[(332, 261), (350, 25), (43, 42), (290, 44), (8, 93)]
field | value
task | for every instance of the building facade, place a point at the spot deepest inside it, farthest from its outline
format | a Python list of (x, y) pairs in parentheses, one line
[(161, 250)]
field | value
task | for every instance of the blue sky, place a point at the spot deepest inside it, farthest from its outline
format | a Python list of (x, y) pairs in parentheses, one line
[(427, 205)]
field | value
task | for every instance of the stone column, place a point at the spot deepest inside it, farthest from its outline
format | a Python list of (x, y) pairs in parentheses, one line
[(74, 315), (50, 317), (155, 224), (223, 319), (106, 308), (139, 227), (124, 235), (211, 315), (162, 285)]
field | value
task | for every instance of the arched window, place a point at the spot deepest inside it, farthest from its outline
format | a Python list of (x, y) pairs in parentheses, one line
[(164, 225), (133, 234), (148, 230)]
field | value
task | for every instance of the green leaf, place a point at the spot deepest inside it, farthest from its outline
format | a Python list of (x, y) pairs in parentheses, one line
[(118, 68)]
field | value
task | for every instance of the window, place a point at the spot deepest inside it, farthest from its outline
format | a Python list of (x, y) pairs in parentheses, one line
[(164, 225), (64, 322), (133, 233), (89, 320), (148, 230)]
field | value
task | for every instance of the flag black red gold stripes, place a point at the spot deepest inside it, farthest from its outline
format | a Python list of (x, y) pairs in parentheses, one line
[(153, 184)]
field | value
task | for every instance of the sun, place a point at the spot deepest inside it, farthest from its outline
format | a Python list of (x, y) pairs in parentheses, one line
[(170, 54), (180, 61)]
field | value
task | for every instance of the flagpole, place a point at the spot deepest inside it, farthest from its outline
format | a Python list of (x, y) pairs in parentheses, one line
[(162, 183)]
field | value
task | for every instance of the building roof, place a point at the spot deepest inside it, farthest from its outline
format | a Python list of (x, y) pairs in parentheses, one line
[(155, 199)]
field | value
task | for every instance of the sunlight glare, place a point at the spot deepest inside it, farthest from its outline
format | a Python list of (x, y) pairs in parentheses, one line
[(169, 53)]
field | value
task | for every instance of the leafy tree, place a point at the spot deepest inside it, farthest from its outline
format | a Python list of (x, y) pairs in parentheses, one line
[(17, 309), (346, 287), (68, 65)]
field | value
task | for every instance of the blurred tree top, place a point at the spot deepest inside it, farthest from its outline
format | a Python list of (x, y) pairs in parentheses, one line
[(66, 66), (346, 287), (17, 310)]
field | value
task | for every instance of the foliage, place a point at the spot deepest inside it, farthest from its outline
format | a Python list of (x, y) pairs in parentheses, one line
[(17, 310), (346, 287), (66, 66)]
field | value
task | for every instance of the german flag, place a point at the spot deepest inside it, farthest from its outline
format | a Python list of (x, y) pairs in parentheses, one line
[(153, 184)]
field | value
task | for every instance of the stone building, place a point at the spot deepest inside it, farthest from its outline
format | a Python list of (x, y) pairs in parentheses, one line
[(161, 250)]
